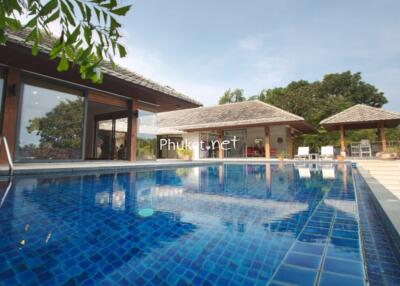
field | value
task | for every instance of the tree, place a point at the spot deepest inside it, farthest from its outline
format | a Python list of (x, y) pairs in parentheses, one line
[(352, 88), (90, 31), (321, 99), (232, 96)]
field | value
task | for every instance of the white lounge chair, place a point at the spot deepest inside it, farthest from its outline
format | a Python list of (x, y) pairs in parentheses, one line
[(327, 153), (302, 153)]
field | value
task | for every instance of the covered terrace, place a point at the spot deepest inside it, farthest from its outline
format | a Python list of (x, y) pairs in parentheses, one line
[(358, 117)]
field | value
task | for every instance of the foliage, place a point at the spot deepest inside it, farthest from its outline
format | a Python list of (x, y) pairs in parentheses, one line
[(61, 127), (146, 147), (320, 99), (232, 96), (90, 31)]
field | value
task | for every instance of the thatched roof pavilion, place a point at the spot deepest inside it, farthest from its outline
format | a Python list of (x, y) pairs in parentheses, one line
[(362, 116), (234, 115)]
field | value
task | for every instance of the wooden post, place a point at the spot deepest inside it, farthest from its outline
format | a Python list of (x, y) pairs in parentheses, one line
[(382, 136), (10, 115), (342, 144), (289, 142), (220, 139), (267, 147), (133, 128)]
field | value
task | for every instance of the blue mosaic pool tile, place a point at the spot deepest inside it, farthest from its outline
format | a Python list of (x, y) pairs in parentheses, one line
[(295, 275), (341, 266), (331, 279), (303, 260)]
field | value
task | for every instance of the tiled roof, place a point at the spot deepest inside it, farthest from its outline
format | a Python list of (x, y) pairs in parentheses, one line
[(361, 113), (253, 112), (119, 72)]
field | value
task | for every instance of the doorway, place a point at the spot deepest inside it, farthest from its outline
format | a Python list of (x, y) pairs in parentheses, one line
[(111, 139), (107, 128)]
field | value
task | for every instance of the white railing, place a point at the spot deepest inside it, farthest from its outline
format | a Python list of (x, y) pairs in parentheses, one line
[(3, 141)]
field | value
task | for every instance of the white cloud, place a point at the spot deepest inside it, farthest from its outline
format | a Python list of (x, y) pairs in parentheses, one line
[(252, 42), (272, 72)]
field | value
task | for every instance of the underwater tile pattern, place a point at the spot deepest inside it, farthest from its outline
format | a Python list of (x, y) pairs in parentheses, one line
[(234, 224), (383, 265)]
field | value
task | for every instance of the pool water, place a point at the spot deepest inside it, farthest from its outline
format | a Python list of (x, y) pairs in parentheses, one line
[(232, 224)]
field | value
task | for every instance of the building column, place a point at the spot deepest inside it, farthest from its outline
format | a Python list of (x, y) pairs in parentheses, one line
[(382, 135), (289, 142), (220, 139), (267, 147), (10, 115), (133, 128), (342, 144)]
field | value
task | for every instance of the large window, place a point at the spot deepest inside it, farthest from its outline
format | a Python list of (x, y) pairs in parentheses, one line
[(147, 136), (236, 150), (51, 122)]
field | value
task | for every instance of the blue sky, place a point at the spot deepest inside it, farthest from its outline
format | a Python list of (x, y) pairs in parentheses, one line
[(204, 47)]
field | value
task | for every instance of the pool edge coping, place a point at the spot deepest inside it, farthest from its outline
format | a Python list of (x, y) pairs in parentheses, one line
[(388, 205)]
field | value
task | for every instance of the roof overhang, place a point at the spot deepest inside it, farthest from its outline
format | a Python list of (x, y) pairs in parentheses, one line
[(361, 125)]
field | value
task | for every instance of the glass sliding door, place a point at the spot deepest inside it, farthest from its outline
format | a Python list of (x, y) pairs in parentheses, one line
[(104, 139), (236, 150), (111, 139), (147, 136), (208, 140), (50, 123)]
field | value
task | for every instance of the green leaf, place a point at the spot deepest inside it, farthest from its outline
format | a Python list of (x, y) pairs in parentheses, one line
[(48, 8), (3, 37), (68, 14), (88, 14), (121, 50), (32, 22), (63, 64), (121, 11), (13, 24), (81, 8), (53, 17), (72, 38), (35, 49), (97, 11)]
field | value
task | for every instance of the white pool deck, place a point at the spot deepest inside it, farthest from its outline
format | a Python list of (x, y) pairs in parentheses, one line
[(385, 172)]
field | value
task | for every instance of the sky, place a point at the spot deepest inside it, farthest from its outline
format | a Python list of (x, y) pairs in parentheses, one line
[(202, 48)]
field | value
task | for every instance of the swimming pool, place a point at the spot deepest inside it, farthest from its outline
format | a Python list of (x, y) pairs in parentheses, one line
[(231, 224)]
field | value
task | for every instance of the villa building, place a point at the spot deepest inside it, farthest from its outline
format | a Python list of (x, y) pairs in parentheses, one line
[(50, 116), (260, 130)]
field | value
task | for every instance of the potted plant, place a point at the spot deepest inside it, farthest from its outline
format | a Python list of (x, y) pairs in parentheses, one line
[(185, 153)]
